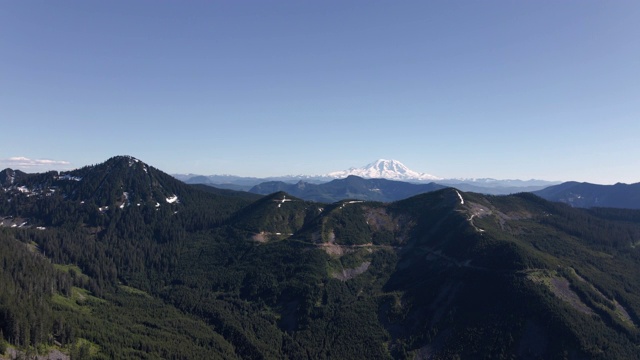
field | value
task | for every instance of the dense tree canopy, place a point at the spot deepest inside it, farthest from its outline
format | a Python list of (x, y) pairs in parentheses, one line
[(191, 273)]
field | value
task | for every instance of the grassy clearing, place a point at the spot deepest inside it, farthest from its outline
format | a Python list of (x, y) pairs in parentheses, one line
[(72, 270), (541, 276), (82, 348), (67, 267), (77, 301), (134, 291), (70, 303)]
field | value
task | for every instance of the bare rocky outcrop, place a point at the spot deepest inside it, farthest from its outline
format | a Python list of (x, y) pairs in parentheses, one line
[(53, 354), (347, 274)]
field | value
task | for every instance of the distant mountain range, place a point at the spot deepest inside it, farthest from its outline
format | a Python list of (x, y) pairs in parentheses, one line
[(581, 195), (351, 187), (380, 169), (147, 187), (390, 180)]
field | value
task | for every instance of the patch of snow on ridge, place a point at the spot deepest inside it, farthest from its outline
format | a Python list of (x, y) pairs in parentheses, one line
[(172, 199), (461, 199), (282, 201), (126, 200), (132, 160), (284, 198), (68, 177)]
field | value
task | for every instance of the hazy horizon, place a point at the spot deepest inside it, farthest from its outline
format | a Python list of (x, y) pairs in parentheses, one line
[(42, 165)]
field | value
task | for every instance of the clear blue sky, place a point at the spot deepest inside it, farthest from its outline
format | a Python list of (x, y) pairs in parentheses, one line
[(504, 89)]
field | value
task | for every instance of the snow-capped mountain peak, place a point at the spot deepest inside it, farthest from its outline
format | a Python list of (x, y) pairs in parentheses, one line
[(386, 169)]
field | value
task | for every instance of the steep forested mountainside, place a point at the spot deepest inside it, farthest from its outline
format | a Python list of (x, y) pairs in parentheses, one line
[(352, 187), (9, 176), (586, 195), (441, 275)]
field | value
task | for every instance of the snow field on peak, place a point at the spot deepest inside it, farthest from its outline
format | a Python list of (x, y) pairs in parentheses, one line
[(386, 169)]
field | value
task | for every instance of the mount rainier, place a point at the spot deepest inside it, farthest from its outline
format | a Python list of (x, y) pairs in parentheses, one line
[(385, 169)]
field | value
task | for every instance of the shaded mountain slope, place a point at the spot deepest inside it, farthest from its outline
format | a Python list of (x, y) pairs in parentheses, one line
[(9, 176), (505, 270), (586, 195), (228, 192)]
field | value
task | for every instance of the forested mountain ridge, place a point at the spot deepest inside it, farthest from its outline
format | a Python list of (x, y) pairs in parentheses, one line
[(9, 176), (120, 181), (586, 195), (351, 187), (443, 274), (92, 195)]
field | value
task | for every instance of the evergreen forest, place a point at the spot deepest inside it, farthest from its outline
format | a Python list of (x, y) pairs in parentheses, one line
[(121, 261)]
